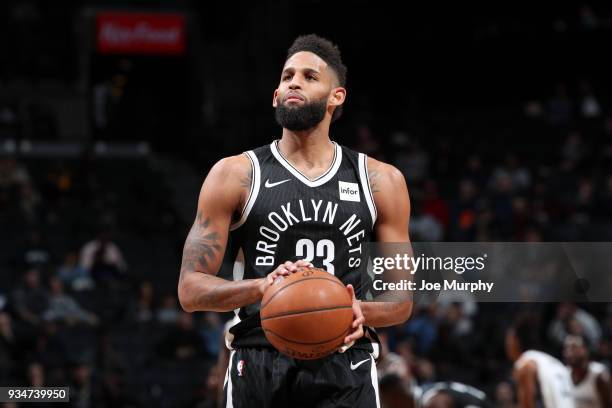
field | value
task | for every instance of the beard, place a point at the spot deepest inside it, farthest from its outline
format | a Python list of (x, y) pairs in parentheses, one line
[(298, 118)]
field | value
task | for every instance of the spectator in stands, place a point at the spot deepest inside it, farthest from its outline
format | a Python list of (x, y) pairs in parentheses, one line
[(433, 204), (462, 223), (504, 395), (64, 308), (12, 174), (52, 351), (394, 393), (35, 253), (511, 176), (182, 342), (584, 202), (35, 375), (84, 392), (30, 299), (211, 330), (9, 348), (103, 259), (475, 172), (390, 362), (366, 141), (423, 226), (588, 19), (141, 310), (30, 203), (573, 149), (560, 107), (409, 157), (571, 318), (589, 104), (8, 121), (424, 371), (423, 327), (3, 300), (604, 200), (169, 312), (74, 275)]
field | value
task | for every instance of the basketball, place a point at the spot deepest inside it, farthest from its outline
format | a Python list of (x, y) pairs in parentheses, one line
[(307, 315)]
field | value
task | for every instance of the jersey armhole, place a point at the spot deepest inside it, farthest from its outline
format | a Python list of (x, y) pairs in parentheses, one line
[(365, 185), (253, 192)]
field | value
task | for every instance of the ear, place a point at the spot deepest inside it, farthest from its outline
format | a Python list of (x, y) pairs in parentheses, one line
[(275, 99), (337, 96)]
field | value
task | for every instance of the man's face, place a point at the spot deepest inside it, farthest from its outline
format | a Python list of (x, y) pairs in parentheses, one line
[(307, 88), (512, 345), (574, 351)]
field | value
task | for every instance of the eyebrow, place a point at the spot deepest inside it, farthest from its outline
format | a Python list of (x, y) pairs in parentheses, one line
[(305, 70)]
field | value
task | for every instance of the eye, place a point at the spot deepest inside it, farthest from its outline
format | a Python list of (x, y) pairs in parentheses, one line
[(286, 77), (311, 77)]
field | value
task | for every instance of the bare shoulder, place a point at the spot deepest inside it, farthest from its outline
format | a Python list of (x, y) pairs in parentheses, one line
[(232, 166), (384, 176), (526, 370), (228, 181)]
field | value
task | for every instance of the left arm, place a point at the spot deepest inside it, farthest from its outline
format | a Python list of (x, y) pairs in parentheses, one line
[(393, 208), (604, 389)]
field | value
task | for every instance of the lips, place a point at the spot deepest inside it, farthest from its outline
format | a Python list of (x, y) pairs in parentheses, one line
[(293, 96)]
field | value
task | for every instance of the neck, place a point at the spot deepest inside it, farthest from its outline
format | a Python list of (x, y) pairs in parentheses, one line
[(312, 147), (579, 371)]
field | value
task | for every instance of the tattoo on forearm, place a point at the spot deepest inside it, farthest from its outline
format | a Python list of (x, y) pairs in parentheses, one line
[(201, 246), (374, 177)]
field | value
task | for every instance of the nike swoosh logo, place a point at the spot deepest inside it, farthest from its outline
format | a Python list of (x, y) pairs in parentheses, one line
[(268, 184), (354, 366)]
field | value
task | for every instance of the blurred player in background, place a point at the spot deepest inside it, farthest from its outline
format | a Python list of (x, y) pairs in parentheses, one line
[(453, 395), (541, 379), (592, 386)]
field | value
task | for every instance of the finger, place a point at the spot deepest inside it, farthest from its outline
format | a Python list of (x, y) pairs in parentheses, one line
[(303, 262), (345, 347), (281, 270), (351, 291), (290, 266), (358, 322), (354, 335)]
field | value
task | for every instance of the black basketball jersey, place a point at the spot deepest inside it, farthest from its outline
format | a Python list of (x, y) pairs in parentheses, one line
[(288, 217)]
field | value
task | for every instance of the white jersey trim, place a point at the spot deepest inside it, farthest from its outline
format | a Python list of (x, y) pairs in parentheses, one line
[(255, 184), (319, 181), (228, 381), (374, 378), (365, 185)]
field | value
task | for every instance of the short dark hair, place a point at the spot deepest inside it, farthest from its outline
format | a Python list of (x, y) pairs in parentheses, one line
[(328, 52), (527, 330)]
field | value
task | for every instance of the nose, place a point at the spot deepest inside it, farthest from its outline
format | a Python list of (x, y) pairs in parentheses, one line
[(295, 83)]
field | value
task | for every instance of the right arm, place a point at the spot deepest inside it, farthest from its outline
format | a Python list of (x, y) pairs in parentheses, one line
[(526, 378), (199, 289), (223, 193), (604, 388)]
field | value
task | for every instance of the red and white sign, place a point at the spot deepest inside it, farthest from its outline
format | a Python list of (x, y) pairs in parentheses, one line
[(140, 33)]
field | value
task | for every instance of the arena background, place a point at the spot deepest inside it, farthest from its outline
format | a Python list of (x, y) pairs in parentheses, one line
[(499, 118)]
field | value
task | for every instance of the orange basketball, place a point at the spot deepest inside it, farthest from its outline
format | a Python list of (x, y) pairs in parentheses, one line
[(306, 315)]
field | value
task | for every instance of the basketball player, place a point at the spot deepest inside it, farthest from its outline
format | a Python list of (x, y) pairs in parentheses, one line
[(297, 201), (542, 380), (592, 387), (453, 395)]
